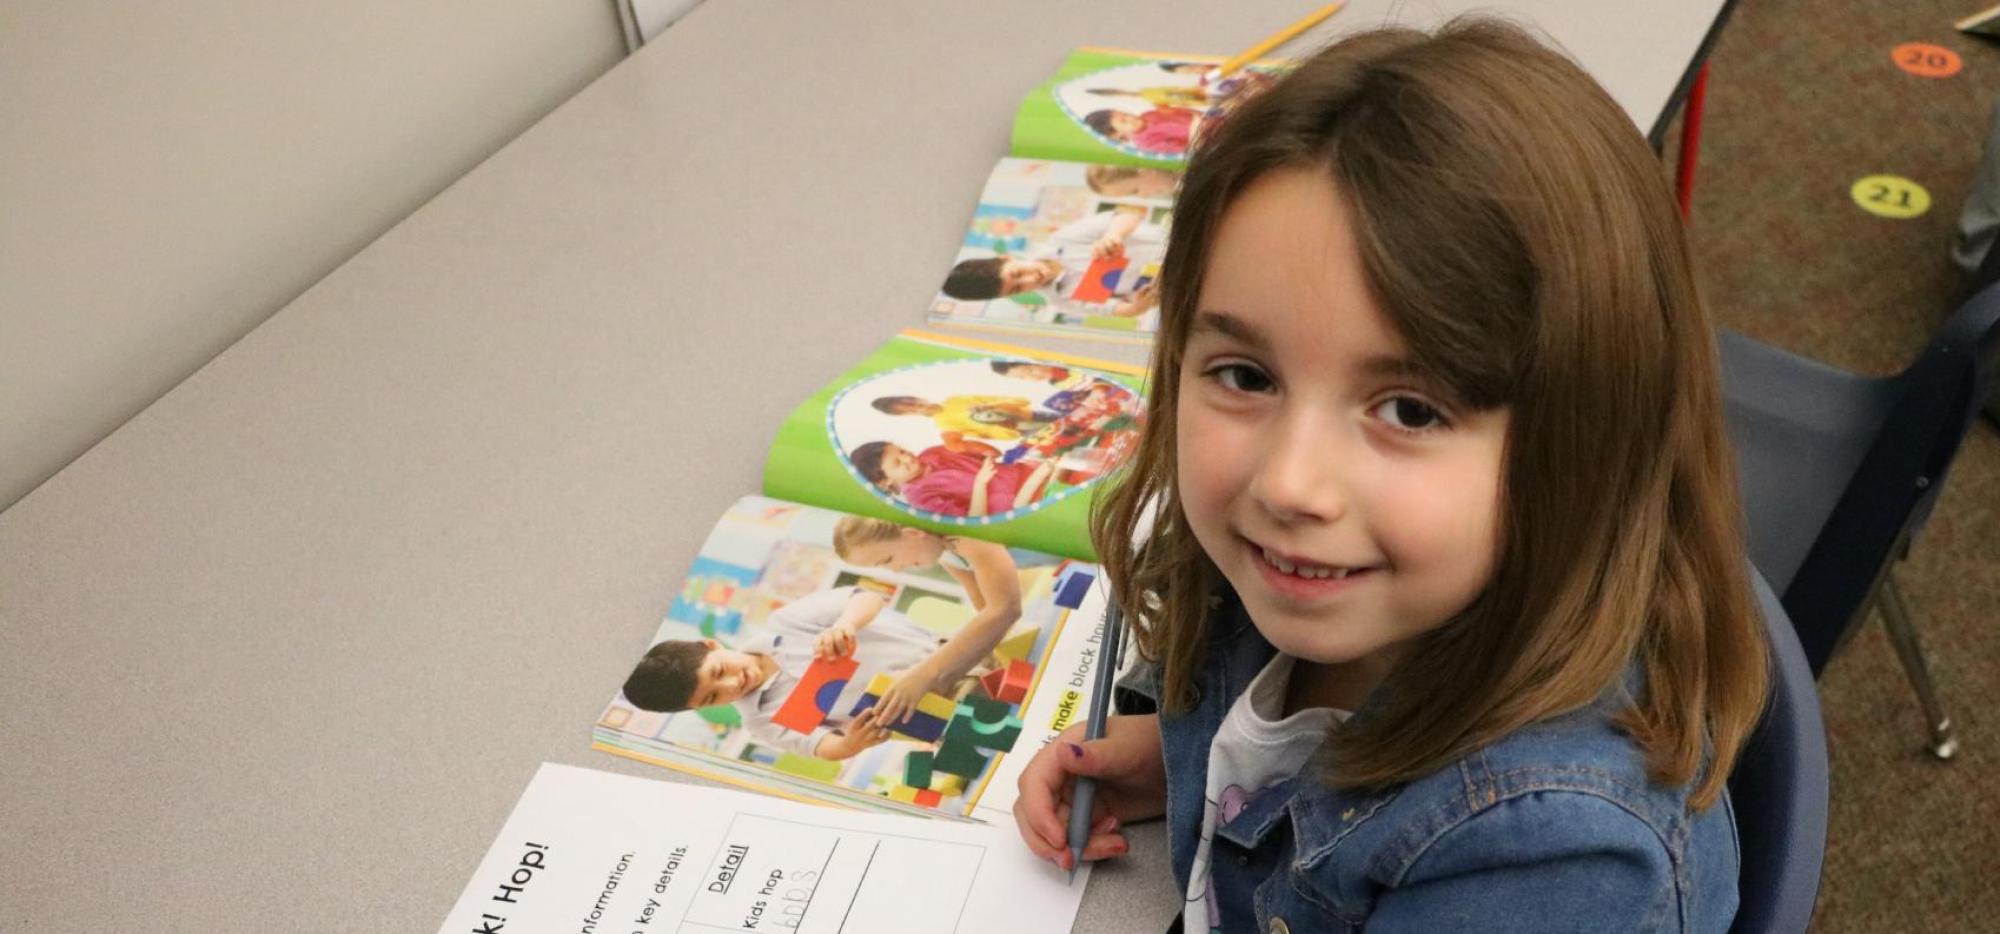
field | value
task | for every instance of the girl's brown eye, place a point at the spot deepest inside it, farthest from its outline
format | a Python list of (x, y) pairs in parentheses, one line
[(1241, 377), (1409, 414)]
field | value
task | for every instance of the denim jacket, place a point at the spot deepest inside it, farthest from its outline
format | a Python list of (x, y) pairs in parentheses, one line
[(1552, 828)]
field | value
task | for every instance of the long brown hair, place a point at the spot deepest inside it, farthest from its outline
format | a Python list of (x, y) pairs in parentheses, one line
[(1522, 239)]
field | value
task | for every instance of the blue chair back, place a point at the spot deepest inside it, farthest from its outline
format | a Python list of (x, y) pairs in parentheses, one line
[(1779, 790), (1839, 471)]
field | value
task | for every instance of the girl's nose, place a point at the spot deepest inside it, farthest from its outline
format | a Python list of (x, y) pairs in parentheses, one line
[(1299, 478)]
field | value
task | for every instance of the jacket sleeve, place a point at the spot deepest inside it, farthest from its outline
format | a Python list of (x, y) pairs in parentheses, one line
[(1558, 860)]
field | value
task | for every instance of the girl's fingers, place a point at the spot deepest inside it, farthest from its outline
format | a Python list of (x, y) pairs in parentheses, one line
[(1100, 846), (1040, 810), (1105, 846), (1104, 826), (1031, 811)]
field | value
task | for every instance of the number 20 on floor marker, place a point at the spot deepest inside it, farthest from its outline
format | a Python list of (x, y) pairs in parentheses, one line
[(1926, 60), (1891, 196)]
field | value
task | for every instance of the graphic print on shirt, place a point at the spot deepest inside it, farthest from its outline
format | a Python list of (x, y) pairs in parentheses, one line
[(1234, 800), (1256, 747)]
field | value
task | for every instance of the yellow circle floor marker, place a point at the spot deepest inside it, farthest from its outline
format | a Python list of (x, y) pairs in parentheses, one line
[(1926, 60), (1891, 196)]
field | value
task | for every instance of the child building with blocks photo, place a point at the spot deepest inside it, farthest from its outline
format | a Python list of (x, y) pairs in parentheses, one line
[(1442, 589), (759, 675), (1052, 270), (984, 570)]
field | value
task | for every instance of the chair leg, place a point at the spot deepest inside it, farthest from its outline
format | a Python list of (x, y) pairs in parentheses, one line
[(1896, 619)]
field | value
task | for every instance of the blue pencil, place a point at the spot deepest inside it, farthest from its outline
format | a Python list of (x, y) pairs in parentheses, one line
[(1100, 708)]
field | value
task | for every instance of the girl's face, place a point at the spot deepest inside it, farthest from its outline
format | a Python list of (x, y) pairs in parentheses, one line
[(1351, 505), (911, 548), (899, 466), (1040, 373), (1147, 183), (1155, 183), (1123, 125)]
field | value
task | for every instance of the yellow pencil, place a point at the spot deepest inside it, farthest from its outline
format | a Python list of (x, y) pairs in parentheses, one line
[(1278, 38)]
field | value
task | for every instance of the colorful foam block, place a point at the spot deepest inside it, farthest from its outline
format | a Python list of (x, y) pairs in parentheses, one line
[(917, 769), (991, 724), (825, 770), (1070, 590), (921, 796), (1010, 683), (1099, 280), (812, 699), (959, 755), (980, 724), (924, 726), (1018, 645)]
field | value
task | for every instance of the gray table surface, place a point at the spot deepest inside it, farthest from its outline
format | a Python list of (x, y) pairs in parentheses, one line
[(281, 652)]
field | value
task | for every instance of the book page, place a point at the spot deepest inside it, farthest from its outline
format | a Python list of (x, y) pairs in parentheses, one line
[(1063, 247), (1129, 108), (794, 622), (906, 434), (595, 852)]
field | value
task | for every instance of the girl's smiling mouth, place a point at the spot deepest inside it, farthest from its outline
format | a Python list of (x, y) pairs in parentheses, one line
[(1300, 578)]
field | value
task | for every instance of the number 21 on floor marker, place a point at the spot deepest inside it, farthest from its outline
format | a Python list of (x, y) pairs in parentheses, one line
[(1891, 196)]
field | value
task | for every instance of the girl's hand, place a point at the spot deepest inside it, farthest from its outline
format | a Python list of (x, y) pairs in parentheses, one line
[(1142, 301), (1131, 785), (837, 641), (899, 702), (981, 482), (1036, 484)]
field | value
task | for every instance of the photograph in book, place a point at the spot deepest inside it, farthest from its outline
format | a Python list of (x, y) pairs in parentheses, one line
[(1063, 247), (1130, 108), (796, 627), (954, 435)]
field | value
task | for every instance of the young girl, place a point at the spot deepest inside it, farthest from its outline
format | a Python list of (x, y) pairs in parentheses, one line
[(959, 478), (1162, 131), (1445, 588)]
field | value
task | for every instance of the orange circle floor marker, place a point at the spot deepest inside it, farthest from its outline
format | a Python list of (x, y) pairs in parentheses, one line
[(1926, 60)]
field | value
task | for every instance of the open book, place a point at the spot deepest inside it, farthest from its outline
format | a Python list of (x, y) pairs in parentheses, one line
[(1071, 227), (922, 534)]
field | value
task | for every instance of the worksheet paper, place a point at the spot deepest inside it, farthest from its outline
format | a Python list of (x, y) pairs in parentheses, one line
[(596, 853)]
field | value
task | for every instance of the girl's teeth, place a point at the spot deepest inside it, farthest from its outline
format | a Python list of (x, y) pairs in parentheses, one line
[(1308, 571)]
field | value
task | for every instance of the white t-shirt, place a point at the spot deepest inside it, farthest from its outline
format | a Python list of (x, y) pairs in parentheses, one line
[(954, 560), (1253, 750), (1071, 245), (889, 644)]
